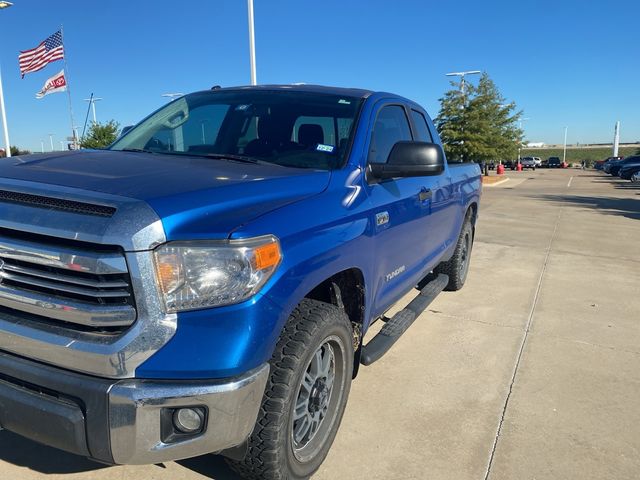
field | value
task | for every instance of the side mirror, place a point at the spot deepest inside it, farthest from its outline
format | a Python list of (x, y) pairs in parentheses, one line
[(124, 130), (410, 159)]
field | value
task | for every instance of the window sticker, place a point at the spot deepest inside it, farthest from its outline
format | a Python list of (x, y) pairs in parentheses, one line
[(325, 148), (342, 101), (242, 107)]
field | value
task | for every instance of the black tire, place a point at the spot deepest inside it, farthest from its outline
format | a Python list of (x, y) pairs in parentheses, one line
[(457, 266), (273, 451)]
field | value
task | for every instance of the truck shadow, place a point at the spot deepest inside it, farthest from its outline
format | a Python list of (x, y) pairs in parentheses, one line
[(210, 466), (40, 458), (25, 453), (625, 207)]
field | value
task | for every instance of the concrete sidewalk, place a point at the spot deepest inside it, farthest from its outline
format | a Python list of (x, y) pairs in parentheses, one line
[(531, 371)]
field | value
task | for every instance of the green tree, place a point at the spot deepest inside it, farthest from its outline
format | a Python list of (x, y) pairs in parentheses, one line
[(101, 135), (15, 151), (479, 126)]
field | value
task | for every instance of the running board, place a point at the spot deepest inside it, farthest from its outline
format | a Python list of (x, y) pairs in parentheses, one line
[(401, 321)]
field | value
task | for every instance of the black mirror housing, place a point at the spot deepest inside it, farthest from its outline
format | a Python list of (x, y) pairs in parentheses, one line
[(410, 159), (125, 130)]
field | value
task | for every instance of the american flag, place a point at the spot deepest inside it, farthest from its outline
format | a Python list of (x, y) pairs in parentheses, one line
[(37, 58)]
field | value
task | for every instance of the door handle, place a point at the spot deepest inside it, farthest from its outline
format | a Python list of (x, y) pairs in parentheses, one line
[(425, 194)]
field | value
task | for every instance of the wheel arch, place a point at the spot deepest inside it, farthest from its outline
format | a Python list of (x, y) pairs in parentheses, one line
[(346, 290)]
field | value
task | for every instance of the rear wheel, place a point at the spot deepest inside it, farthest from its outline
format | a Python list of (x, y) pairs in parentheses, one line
[(457, 266), (305, 397)]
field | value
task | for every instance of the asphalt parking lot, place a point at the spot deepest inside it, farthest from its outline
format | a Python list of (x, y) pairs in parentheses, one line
[(532, 371)]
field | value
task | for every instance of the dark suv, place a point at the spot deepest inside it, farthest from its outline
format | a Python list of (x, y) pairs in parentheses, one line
[(554, 162)]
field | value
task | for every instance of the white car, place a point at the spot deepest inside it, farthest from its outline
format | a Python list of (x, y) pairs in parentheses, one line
[(635, 178), (538, 161), (528, 162)]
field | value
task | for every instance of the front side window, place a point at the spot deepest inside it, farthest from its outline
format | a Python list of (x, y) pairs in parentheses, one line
[(296, 129), (391, 127)]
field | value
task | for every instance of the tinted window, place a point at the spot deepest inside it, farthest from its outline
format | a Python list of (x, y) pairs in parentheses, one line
[(391, 126), (320, 129), (297, 129), (422, 131)]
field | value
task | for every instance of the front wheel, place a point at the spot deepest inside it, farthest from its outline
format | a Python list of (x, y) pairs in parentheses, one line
[(305, 396)]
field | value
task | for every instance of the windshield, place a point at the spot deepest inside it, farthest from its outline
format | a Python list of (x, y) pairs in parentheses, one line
[(296, 129)]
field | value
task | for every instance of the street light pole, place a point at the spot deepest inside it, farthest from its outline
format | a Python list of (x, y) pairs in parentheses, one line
[(252, 43), (462, 75), (564, 150), (93, 101), (5, 130), (520, 128)]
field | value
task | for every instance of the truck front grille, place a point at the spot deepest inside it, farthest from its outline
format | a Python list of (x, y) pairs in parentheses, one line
[(78, 287)]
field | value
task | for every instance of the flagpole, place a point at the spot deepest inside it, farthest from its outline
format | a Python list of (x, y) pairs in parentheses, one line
[(4, 120), (66, 75)]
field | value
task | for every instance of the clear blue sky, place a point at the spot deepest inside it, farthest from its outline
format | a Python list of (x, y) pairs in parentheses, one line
[(566, 62)]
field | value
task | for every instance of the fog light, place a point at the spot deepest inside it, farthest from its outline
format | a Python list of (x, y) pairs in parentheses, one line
[(188, 420)]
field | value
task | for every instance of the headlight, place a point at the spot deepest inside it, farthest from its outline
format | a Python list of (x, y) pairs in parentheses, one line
[(203, 274)]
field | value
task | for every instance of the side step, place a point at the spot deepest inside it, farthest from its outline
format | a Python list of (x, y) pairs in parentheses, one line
[(401, 321)]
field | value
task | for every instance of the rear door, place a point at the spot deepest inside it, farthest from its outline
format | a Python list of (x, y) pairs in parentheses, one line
[(443, 222), (400, 211)]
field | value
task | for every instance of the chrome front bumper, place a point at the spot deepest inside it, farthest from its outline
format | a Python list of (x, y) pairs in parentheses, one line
[(135, 411), (125, 421)]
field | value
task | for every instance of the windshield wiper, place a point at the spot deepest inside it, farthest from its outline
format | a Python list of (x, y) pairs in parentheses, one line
[(220, 156), (232, 156), (136, 150), (237, 158)]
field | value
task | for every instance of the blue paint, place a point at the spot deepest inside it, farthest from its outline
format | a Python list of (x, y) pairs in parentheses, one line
[(326, 223)]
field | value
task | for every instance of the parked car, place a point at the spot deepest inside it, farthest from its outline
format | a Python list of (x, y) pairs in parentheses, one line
[(614, 167), (599, 165), (192, 290), (554, 162), (528, 162), (626, 171)]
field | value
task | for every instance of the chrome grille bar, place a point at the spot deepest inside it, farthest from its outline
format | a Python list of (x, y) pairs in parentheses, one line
[(65, 278), (60, 287), (62, 257), (82, 286), (66, 310)]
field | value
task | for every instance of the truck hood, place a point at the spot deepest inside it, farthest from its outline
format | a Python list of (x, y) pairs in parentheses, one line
[(194, 197)]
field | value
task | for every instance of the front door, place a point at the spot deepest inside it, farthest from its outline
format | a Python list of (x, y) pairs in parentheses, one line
[(399, 210)]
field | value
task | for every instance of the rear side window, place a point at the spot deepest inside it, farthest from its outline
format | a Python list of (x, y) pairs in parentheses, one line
[(391, 126), (422, 130)]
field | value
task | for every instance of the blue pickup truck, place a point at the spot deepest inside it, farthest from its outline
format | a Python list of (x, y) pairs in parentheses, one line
[(205, 283)]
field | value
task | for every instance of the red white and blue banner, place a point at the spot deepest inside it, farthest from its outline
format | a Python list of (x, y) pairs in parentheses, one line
[(55, 84)]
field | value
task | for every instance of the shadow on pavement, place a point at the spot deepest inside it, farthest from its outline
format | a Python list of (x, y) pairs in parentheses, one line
[(25, 453), (628, 186), (210, 466), (49, 461), (626, 207)]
